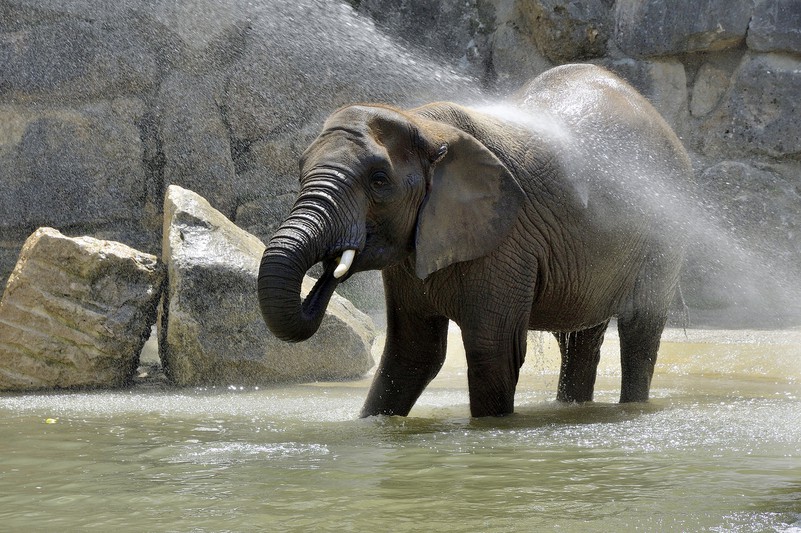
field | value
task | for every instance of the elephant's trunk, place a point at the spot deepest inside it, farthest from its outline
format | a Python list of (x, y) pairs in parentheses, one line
[(308, 236)]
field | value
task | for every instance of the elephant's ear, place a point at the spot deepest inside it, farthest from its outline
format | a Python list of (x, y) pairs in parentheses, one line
[(472, 203)]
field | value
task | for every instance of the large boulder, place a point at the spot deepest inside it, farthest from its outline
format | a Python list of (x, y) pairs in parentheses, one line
[(211, 330), (76, 313)]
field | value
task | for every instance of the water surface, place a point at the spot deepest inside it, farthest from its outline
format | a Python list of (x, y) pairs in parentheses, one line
[(717, 449)]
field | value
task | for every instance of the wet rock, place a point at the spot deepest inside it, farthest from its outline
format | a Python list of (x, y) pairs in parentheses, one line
[(758, 204), (195, 140), (759, 113), (306, 59), (776, 27), (450, 25), (709, 87), (76, 313), (267, 180), (211, 330), (197, 37), (741, 268), (647, 28), (262, 217), (515, 58), (75, 59), (71, 166)]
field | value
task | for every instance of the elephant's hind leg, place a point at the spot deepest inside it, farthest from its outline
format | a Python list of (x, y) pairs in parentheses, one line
[(639, 343), (581, 351), (641, 323)]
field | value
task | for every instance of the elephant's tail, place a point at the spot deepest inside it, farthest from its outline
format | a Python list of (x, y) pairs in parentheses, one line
[(681, 311)]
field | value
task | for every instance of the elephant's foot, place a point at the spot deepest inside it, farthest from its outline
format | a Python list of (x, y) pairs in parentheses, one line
[(635, 389)]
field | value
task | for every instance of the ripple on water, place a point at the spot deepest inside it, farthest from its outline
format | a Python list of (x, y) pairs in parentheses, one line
[(225, 453)]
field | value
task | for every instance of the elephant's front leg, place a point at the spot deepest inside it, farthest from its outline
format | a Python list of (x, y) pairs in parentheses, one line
[(414, 350), (494, 358), (413, 355)]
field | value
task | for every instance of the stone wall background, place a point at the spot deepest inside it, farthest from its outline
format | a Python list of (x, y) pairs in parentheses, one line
[(105, 104)]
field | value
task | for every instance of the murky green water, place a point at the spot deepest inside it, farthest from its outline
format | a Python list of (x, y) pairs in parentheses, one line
[(718, 449)]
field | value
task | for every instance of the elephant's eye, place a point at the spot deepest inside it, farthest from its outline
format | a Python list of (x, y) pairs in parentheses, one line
[(379, 180)]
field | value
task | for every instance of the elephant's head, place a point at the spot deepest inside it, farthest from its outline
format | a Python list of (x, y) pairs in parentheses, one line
[(379, 186)]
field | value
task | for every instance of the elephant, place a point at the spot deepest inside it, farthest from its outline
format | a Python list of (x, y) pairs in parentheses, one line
[(556, 212)]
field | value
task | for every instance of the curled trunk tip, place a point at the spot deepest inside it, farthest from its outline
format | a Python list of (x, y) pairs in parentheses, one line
[(287, 316)]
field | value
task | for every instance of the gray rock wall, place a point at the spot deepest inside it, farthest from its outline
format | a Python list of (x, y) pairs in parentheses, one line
[(105, 104)]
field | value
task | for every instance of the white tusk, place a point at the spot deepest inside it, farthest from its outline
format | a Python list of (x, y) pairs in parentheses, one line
[(344, 263)]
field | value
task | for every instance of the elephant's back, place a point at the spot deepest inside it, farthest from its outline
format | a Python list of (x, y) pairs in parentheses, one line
[(599, 109)]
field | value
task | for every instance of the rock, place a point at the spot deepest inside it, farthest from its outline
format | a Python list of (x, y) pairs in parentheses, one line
[(211, 330), (306, 59), (776, 27), (759, 113), (76, 313), (267, 180), (195, 140), (758, 205), (197, 37), (645, 28), (568, 30), (515, 57), (710, 85), (742, 267), (75, 59), (76, 167), (262, 217), (450, 25)]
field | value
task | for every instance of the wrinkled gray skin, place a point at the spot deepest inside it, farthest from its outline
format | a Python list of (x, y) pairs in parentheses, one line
[(557, 219)]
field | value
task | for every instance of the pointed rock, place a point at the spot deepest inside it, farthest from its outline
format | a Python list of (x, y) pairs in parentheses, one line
[(211, 331), (76, 313)]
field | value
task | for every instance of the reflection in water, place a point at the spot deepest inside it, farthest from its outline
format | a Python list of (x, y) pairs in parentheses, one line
[(712, 452)]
